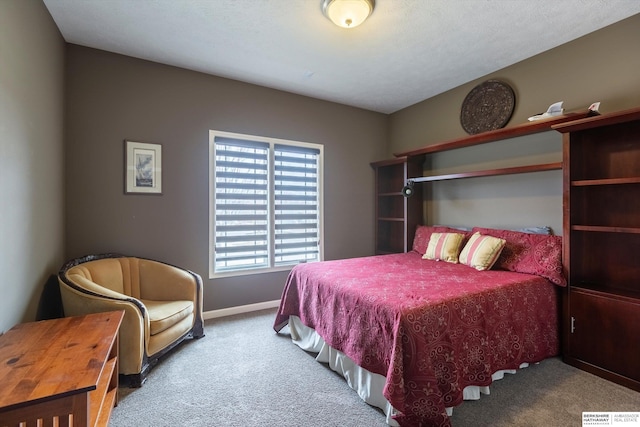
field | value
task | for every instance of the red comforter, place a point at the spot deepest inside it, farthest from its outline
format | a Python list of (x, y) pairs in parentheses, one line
[(431, 328)]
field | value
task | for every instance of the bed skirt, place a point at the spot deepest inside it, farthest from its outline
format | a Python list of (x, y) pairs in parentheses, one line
[(367, 384)]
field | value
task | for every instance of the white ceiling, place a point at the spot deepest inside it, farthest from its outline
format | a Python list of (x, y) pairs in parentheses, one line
[(407, 51)]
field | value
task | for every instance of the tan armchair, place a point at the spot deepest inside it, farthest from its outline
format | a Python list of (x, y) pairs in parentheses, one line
[(162, 304)]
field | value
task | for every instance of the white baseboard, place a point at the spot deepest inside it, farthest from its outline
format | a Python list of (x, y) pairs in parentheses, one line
[(213, 314)]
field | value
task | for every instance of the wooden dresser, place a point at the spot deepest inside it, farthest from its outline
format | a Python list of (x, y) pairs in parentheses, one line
[(60, 372)]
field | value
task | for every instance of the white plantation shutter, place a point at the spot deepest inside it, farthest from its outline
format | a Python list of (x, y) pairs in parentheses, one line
[(241, 204), (296, 205), (266, 203)]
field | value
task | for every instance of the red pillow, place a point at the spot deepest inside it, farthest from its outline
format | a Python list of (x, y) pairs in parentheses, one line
[(538, 254), (424, 232)]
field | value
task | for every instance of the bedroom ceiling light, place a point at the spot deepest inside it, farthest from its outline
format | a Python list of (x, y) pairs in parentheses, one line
[(347, 13)]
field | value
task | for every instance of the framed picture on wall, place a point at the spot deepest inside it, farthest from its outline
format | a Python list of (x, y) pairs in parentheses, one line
[(143, 168)]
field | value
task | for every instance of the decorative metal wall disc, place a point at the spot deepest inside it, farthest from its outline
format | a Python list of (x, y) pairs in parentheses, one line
[(488, 106)]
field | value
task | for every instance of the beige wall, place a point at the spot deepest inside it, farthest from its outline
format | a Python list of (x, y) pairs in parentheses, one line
[(112, 97), (602, 66), (31, 156)]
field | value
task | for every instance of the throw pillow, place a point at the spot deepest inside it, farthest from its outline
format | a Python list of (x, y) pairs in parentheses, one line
[(444, 247), (423, 234), (481, 252)]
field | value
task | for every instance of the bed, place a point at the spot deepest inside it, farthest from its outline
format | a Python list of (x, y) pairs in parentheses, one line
[(422, 331)]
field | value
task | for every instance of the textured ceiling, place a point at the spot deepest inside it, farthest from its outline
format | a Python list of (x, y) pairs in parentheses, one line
[(407, 51)]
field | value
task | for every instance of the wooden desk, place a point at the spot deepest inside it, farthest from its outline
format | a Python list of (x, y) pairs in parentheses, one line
[(61, 372)]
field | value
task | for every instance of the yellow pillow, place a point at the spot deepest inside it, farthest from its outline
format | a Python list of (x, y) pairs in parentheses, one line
[(444, 246), (481, 252)]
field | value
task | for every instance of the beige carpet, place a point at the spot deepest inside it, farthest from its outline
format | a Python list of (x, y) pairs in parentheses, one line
[(244, 374)]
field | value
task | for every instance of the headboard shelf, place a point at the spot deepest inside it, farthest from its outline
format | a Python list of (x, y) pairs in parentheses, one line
[(528, 128)]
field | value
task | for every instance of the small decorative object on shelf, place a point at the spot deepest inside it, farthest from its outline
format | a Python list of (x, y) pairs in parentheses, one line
[(554, 110), (488, 106)]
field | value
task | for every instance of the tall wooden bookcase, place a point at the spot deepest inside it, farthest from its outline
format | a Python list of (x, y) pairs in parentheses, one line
[(396, 216), (601, 229)]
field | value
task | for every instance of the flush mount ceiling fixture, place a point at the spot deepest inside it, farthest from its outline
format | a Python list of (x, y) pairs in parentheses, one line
[(347, 13)]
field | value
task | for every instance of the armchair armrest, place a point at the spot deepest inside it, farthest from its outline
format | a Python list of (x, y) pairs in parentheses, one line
[(85, 297), (165, 282)]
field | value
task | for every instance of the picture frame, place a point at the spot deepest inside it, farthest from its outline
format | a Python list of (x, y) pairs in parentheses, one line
[(143, 168)]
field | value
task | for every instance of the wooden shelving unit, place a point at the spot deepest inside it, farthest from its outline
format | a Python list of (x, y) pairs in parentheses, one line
[(396, 216), (601, 231), (60, 372)]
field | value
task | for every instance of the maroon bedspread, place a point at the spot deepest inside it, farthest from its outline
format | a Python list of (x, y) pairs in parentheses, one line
[(431, 328)]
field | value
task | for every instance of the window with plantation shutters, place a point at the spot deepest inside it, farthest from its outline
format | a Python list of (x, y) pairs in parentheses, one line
[(266, 204)]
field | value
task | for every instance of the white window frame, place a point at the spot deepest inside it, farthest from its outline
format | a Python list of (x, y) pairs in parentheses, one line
[(213, 134)]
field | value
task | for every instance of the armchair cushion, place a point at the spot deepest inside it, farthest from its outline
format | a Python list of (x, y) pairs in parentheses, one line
[(164, 314)]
